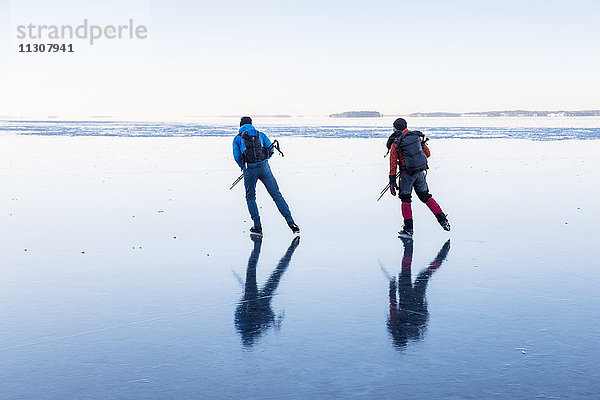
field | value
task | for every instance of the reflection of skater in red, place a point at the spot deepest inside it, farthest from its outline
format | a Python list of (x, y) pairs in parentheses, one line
[(408, 315)]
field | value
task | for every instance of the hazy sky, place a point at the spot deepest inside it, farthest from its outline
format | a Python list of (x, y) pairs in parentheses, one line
[(305, 57)]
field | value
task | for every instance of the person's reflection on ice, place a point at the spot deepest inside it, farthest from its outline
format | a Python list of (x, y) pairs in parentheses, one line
[(253, 315), (408, 312)]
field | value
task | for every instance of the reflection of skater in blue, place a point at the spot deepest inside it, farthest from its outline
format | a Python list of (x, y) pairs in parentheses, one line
[(254, 315), (408, 314)]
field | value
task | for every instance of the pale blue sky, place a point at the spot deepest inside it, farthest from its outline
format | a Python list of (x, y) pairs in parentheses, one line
[(310, 58)]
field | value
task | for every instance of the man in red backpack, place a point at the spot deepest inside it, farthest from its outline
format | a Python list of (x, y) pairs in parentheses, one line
[(409, 152)]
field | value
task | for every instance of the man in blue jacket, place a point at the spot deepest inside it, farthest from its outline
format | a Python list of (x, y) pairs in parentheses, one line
[(251, 151)]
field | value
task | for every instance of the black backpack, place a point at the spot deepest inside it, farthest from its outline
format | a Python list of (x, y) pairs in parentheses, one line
[(255, 151), (409, 144)]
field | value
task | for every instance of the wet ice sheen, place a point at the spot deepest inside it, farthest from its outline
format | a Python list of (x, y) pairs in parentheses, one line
[(103, 305)]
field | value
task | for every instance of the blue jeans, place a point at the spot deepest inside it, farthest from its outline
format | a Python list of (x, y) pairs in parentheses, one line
[(263, 172)]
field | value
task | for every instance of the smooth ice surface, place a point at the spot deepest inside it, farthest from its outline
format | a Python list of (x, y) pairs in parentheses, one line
[(128, 272)]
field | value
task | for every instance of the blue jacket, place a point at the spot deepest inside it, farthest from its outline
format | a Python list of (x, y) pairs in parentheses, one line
[(239, 146)]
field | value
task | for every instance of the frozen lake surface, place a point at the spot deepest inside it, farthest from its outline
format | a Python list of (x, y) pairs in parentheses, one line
[(532, 128), (128, 272)]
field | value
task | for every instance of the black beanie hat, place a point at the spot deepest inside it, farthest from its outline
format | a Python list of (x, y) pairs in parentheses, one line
[(248, 120), (400, 124)]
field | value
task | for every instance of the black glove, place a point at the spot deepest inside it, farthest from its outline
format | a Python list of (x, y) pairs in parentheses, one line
[(393, 185)]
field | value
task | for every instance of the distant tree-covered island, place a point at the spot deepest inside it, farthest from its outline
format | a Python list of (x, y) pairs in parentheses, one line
[(512, 113), (357, 114)]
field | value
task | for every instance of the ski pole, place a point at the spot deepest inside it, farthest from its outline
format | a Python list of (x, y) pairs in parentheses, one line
[(274, 145), (386, 188), (237, 181)]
